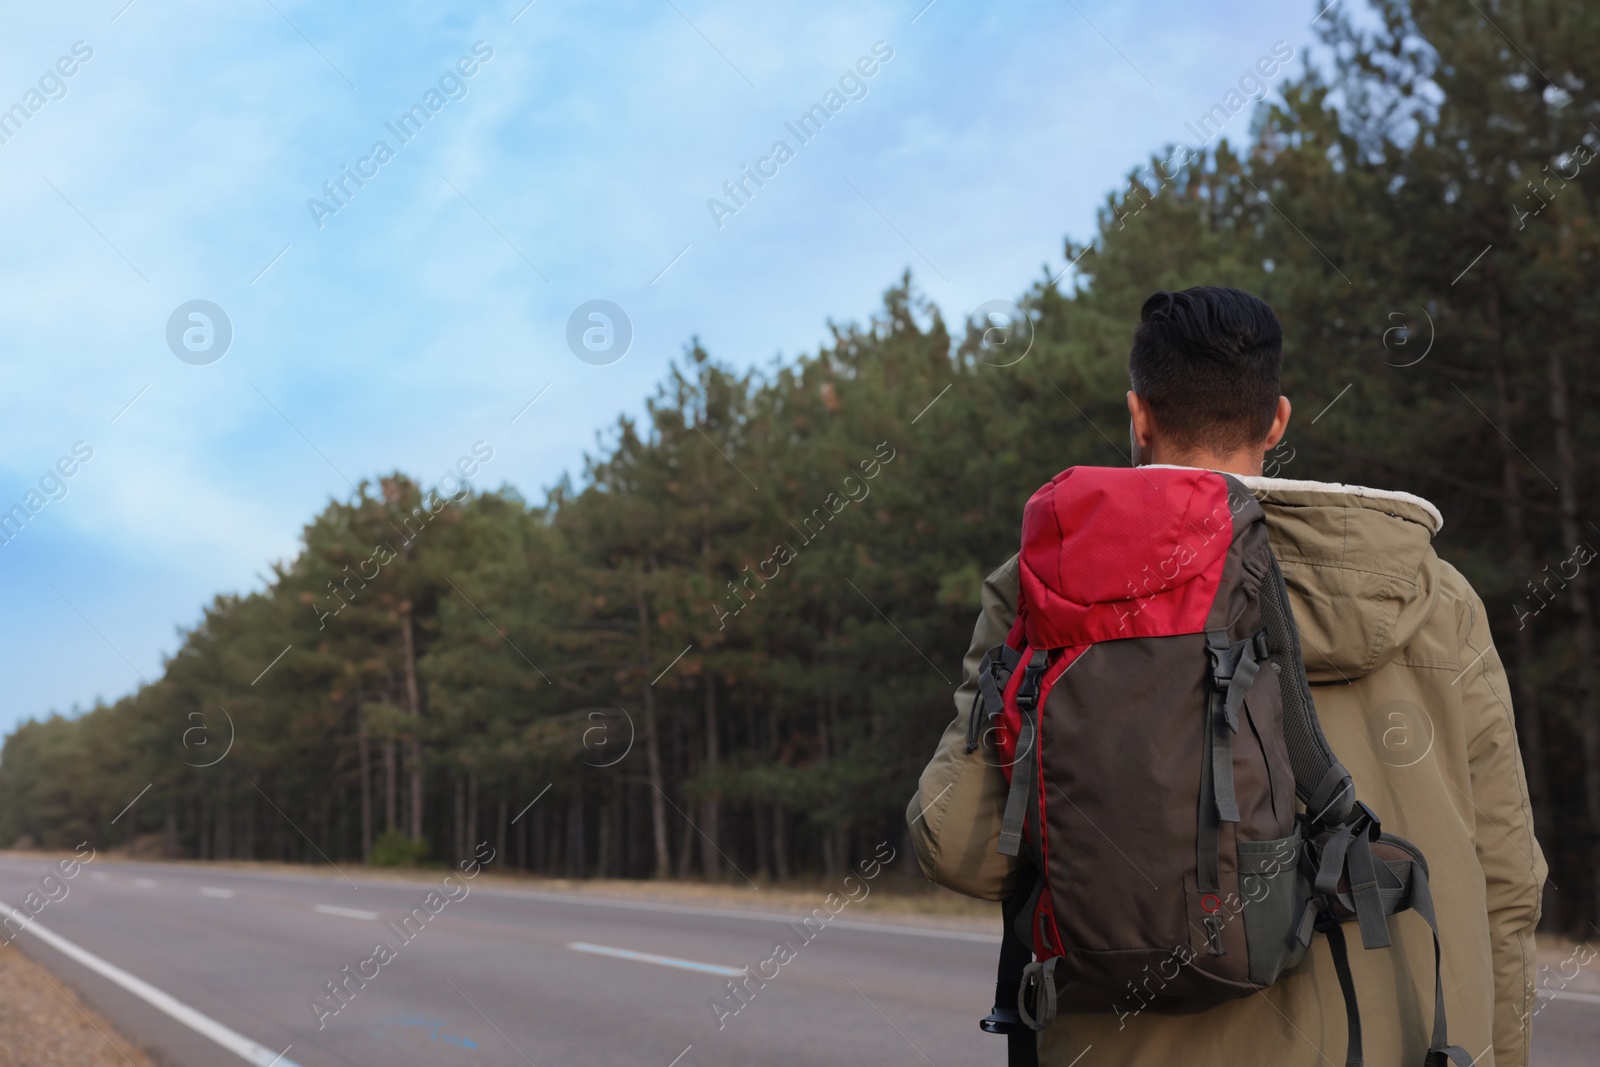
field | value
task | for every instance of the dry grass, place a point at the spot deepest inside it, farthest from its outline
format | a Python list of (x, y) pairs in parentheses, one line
[(44, 1024), (888, 897)]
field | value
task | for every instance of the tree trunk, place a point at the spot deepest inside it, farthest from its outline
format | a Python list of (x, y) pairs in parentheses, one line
[(390, 785), (458, 829), (710, 809), (249, 850), (221, 824), (575, 834), (500, 833), (363, 746), (602, 863), (652, 745), (685, 852), (414, 706), (1583, 614), (780, 842), (758, 820), (1530, 722)]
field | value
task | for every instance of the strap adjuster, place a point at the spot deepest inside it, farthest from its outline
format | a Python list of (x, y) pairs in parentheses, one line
[(1224, 658), (1364, 820), (1028, 691)]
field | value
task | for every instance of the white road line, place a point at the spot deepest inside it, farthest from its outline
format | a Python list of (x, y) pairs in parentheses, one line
[(213, 891), (234, 1042), (1561, 994), (97, 876), (737, 913), (348, 913), (660, 961), (144, 883)]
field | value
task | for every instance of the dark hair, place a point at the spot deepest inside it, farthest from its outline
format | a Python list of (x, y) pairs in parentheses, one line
[(1209, 362)]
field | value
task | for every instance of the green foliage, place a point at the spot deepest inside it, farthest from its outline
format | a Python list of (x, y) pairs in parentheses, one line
[(393, 848)]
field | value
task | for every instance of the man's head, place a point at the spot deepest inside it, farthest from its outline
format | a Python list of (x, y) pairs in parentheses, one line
[(1205, 369)]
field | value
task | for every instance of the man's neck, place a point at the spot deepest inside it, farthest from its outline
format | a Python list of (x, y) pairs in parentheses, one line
[(1246, 462)]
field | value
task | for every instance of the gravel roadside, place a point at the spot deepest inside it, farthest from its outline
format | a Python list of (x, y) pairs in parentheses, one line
[(44, 1024)]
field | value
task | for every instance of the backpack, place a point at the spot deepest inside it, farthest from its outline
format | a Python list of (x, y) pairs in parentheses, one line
[(1151, 712)]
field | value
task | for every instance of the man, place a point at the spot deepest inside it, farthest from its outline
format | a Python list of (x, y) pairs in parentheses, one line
[(1411, 695)]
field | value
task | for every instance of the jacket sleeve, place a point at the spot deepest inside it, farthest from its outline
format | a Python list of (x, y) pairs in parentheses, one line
[(1513, 865), (955, 816)]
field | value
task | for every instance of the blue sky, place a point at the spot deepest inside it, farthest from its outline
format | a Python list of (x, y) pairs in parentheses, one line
[(575, 163)]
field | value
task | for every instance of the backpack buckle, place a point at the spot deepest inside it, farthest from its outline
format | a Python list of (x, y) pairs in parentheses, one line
[(1028, 691), (1365, 821), (1224, 658)]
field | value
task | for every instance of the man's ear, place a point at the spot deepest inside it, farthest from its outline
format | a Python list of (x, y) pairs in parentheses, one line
[(1142, 424), (1280, 424)]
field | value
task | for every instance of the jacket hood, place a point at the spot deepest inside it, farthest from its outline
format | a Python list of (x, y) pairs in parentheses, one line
[(1359, 563), (1111, 553)]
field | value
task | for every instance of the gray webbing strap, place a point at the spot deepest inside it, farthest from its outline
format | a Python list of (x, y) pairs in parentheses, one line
[(1347, 985), (1022, 789), (1331, 863), (1441, 1052), (1244, 676), (1326, 795), (1038, 979), (1332, 790), (1364, 894), (1206, 874), (1024, 767), (1221, 747), (994, 671), (1234, 669)]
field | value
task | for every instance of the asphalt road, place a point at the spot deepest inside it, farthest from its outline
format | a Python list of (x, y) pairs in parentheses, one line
[(493, 977)]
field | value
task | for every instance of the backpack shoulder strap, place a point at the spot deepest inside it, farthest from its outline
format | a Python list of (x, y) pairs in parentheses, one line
[(1320, 780)]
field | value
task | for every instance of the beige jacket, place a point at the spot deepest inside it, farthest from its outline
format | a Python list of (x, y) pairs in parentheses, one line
[(1413, 699)]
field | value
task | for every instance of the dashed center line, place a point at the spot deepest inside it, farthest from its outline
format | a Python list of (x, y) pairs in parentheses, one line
[(348, 913), (660, 961), (213, 891), (144, 883)]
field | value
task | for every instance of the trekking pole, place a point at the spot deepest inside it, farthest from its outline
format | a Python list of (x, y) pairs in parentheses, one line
[(1022, 1044)]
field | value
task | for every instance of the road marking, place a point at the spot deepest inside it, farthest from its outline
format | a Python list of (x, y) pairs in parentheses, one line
[(1561, 994), (348, 913), (97, 876), (213, 891), (662, 961), (205, 1025), (737, 913), (144, 883)]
